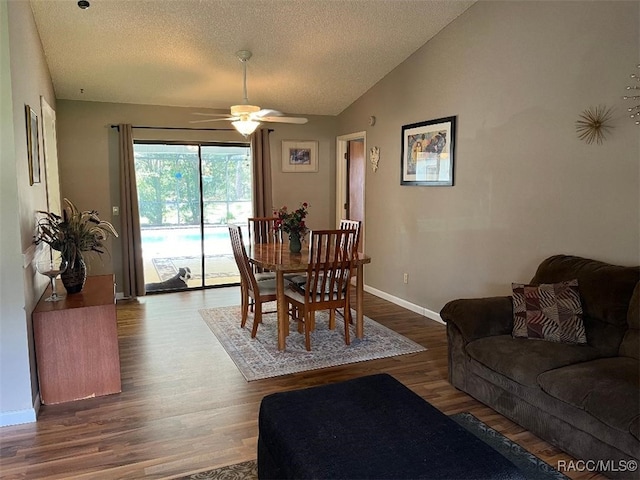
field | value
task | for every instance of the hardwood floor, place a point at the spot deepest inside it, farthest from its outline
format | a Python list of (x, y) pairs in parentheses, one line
[(185, 407)]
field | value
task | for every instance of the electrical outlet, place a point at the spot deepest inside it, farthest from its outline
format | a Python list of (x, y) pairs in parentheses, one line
[(406, 278)]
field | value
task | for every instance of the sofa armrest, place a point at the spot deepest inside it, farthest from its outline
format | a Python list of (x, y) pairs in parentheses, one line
[(480, 317)]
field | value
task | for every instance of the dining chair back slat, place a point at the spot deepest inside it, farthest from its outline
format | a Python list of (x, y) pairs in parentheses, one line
[(352, 225)]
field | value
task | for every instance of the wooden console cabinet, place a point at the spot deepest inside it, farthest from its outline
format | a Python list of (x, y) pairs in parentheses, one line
[(76, 341)]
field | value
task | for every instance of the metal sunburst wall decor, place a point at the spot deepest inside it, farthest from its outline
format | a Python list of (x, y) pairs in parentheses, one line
[(592, 124), (635, 110)]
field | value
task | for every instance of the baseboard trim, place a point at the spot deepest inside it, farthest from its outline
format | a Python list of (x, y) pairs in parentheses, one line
[(425, 312), (18, 417)]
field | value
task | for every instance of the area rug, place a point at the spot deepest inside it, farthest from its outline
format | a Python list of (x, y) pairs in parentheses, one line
[(259, 358), (239, 471), (531, 466)]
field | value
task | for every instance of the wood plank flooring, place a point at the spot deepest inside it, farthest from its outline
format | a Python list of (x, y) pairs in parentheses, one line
[(185, 407)]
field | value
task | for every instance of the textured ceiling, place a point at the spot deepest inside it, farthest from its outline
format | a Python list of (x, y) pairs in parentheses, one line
[(309, 56)]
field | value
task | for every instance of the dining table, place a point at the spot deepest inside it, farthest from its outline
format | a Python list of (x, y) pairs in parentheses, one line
[(276, 257)]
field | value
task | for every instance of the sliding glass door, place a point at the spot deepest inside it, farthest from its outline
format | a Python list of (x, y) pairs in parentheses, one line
[(226, 193), (187, 193)]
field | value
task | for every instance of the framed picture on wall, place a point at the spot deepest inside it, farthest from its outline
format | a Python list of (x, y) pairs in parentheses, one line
[(50, 156), (428, 152), (33, 152), (299, 156)]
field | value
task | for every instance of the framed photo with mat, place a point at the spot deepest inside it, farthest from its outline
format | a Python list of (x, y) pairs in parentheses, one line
[(428, 153), (299, 156), (33, 151)]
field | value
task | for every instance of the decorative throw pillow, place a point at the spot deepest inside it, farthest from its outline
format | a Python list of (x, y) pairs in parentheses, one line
[(550, 312)]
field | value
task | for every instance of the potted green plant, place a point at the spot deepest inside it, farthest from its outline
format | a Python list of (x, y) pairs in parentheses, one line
[(73, 234), (293, 224)]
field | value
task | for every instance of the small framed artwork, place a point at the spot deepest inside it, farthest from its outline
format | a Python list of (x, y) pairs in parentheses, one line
[(428, 152), (33, 152), (299, 156)]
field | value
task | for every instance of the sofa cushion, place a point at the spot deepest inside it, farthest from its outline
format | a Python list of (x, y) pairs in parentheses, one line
[(522, 360), (551, 311), (605, 289), (630, 346), (607, 388)]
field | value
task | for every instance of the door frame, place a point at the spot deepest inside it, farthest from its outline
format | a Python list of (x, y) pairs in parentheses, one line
[(342, 142)]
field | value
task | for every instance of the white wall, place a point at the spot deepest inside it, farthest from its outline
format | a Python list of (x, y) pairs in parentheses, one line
[(24, 77), (516, 75)]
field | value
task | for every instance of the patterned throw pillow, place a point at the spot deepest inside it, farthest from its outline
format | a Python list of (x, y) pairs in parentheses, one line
[(550, 312)]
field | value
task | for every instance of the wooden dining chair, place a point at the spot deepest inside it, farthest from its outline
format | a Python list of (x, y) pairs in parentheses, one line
[(332, 255), (351, 225), (263, 230), (250, 288)]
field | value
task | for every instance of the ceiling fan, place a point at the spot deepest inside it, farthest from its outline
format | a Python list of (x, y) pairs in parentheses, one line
[(246, 118)]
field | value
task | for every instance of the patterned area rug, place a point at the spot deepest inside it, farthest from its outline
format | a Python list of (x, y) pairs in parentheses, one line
[(239, 471), (259, 358), (531, 466)]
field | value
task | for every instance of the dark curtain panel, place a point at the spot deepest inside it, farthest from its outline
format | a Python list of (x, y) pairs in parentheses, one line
[(262, 196), (133, 272)]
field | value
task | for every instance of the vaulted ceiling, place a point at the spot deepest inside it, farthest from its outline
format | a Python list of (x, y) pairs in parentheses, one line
[(309, 56)]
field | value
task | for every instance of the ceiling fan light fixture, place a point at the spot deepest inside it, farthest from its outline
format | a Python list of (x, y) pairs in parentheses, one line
[(245, 127)]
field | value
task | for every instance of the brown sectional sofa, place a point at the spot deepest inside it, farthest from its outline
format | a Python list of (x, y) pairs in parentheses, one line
[(585, 399)]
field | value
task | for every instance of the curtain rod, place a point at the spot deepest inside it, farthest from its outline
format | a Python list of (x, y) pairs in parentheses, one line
[(117, 127)]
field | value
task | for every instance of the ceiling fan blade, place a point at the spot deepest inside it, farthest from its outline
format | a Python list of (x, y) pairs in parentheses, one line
[(298, 120), (227, 119), (267, 112)]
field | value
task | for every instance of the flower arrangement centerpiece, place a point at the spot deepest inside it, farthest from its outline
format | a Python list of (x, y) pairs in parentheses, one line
[(72, 234), (293, 224)]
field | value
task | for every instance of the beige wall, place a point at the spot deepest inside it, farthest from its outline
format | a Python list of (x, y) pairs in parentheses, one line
[(88, 159), (317, 189), (24, 78), (516, 75)]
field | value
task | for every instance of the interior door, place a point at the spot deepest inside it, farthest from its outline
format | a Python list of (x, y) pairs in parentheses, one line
[(356, 168)]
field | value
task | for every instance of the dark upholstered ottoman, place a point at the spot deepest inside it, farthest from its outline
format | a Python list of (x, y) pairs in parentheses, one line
[(368, 427)]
